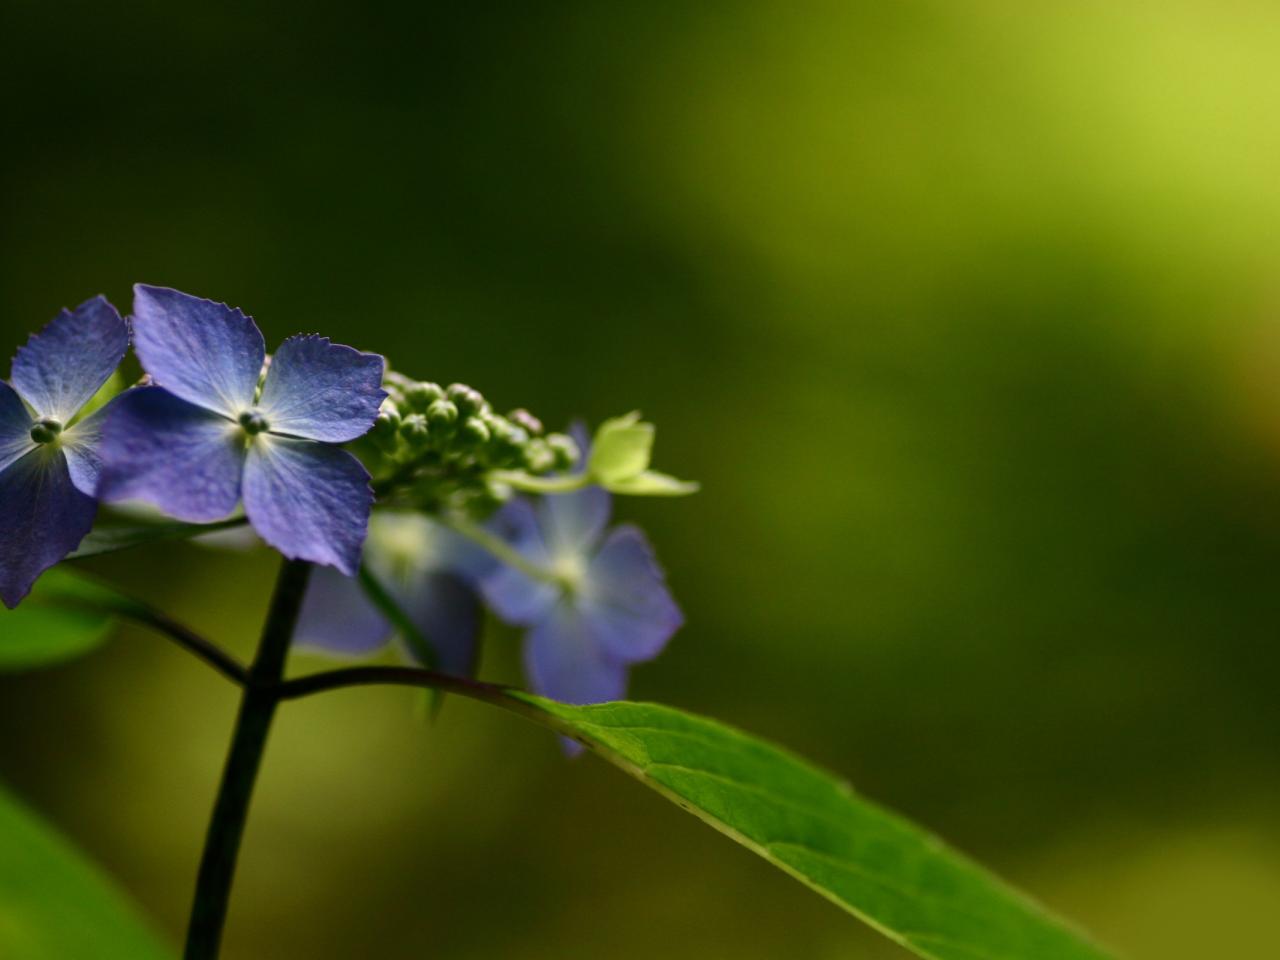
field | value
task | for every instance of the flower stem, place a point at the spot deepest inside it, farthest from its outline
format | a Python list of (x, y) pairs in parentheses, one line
[(231, 809), (528, 483), (498, 548)]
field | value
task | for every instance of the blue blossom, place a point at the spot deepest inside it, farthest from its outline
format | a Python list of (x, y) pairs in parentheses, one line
[(49, 465), (601, 605), (427, 570), (205, 436)]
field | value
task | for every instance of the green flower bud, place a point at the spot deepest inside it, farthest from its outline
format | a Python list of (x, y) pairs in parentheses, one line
[(442, 415), (523, 418), (467, 400), (565, 450), (473, 434), (415, 431), (506, 446), (420, 396), (538, 456), (388, 421)]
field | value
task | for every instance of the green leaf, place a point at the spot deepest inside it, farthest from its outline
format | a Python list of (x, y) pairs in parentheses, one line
[(621, 449), (53, 624), (55, 904), (106, 393), (126, 536), (876, 865), (651, 483)]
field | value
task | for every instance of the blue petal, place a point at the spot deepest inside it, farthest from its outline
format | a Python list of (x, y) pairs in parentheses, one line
[(43, 517), (446, 611), (338, 618), (573, 522), (565, 662), (15, 427), (513, 595), (420, 563), (625, 598), (204, 352), (309, 500), (176, 455), (81, 444), (321, 390), (64, 364)]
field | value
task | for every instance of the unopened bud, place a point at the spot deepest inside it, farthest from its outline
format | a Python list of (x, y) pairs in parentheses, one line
[(420, 396), (473, 433), (523, 418), (414, 430), (442, 415), (565, 450), (467, 400)]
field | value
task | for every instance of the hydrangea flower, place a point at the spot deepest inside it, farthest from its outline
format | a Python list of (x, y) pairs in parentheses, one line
[(205, 436), (604, 606), (428, 571), (49, 465)]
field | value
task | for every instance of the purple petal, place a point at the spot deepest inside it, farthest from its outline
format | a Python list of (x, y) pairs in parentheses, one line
[(176, 455), (573, 522), (446, 611), (565, 663), (43, 517), (625, 598), (15, 427), (321, 390), (338, 618), (206, 353), (515, 596), (64, 364), (309, 500)]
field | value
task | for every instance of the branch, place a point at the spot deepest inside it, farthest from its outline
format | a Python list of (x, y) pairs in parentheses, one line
[(192, 642), (396, 676)]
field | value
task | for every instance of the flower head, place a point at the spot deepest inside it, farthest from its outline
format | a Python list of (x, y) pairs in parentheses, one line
[(602, 606), (49, 462), (207, 435), (428, 571)]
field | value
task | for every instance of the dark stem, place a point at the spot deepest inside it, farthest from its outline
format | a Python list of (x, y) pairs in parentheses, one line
[(392, 676), (192, 642), (257, 708)]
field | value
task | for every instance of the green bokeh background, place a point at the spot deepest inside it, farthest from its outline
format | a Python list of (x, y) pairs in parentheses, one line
[(966, 316)]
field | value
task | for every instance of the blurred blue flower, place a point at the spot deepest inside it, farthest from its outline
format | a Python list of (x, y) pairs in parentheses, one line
[(205, 436), (49, 466), (427, 570), (602, 606)]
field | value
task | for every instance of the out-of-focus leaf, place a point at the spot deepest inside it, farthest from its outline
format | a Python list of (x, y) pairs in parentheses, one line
[(651, 483), (114, 386), (125, 537), (621, 449), (881, 868), (57, 905), (63, 618)]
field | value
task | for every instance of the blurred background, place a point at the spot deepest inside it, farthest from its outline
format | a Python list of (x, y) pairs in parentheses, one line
[(967, 316)]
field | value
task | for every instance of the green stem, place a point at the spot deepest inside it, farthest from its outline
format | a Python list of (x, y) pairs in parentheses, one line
[(231, 809), (528, 483), (499, 548)]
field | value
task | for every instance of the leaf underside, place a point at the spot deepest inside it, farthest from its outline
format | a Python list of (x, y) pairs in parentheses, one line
[(62, 619), (876, 865), (55, 904)]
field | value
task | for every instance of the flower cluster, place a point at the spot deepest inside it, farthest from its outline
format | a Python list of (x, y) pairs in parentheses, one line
[(49, 459), (437, 448), (593, 601), (307, 441)]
